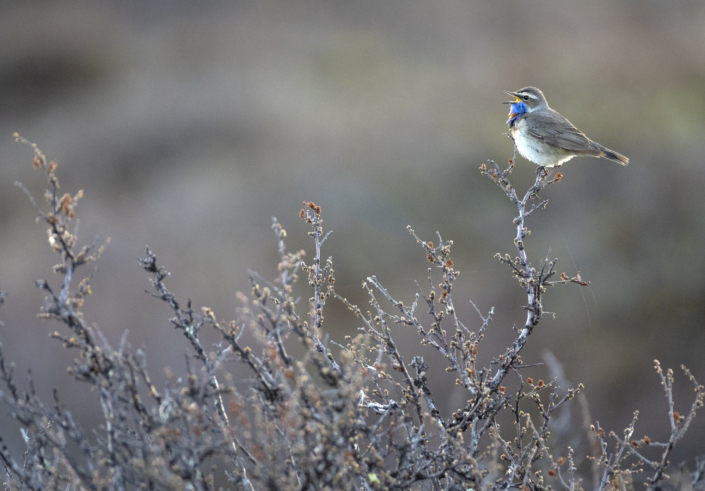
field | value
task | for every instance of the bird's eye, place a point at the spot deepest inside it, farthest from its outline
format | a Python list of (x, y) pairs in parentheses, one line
[(526, 97)]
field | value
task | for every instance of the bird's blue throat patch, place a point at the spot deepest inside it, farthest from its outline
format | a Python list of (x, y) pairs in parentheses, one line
[(517, 109)]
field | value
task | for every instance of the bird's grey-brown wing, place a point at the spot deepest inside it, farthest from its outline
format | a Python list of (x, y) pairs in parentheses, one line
[(555, 130)]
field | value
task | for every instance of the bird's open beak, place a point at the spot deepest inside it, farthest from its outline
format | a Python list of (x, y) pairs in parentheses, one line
[(516, 97)]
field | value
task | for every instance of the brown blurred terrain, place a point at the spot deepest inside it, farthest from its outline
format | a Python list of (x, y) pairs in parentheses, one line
[(189, 126)]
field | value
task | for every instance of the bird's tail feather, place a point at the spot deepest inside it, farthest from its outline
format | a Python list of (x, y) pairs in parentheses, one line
[(612, 155)]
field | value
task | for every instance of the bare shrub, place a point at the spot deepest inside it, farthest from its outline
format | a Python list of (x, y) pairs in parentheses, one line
[(356, 416)]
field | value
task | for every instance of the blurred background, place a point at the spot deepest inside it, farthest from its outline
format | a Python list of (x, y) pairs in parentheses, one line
[(189, 126)]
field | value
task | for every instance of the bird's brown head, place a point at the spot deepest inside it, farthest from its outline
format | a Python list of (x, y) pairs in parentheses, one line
[(530, 96)]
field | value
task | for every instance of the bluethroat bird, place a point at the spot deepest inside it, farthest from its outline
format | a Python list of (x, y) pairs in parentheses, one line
[(545, 137)]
